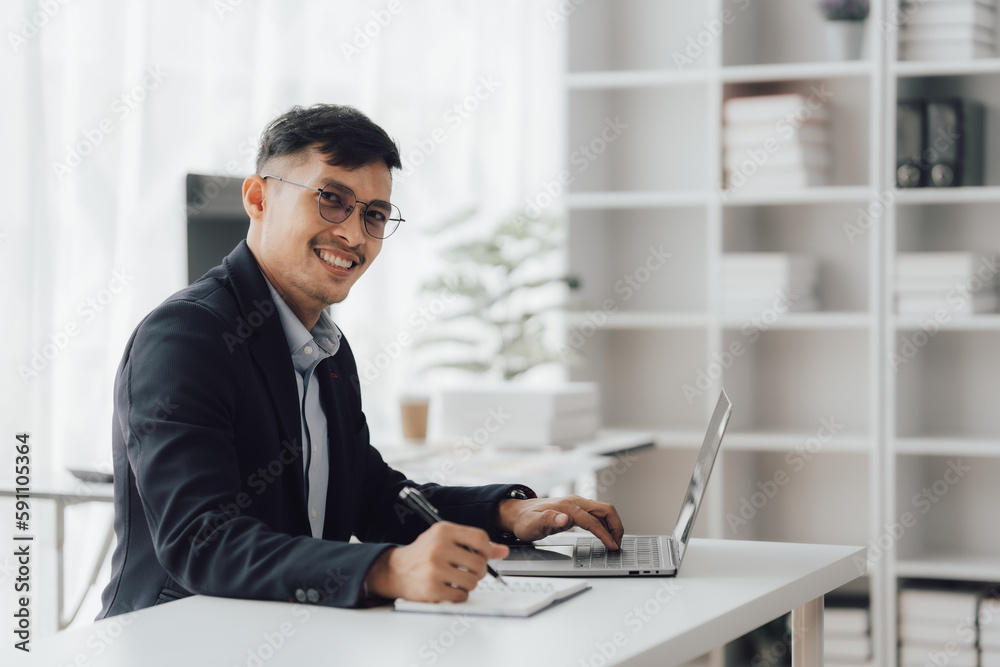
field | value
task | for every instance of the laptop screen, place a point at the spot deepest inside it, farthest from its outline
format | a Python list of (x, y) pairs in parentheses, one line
[(702, 469)]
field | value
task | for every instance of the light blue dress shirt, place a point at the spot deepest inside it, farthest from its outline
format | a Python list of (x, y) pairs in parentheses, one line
[(308, 349)]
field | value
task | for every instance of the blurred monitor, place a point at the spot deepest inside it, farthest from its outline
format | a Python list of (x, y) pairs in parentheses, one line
[(216, 220)]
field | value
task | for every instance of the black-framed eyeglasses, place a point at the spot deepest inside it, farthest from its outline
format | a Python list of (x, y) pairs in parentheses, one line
[(337, 202)]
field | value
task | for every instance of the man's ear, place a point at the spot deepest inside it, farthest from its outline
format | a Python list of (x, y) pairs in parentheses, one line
[(253, 197)]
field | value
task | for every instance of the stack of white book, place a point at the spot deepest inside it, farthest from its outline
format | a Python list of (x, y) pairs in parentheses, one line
[(776, 141), (518, 415), (961, 283), (936, 625), (989, 632), (755, 282), (847, 637), (948, 30)]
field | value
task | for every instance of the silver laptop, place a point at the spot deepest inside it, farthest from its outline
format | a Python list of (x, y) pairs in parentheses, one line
[(640, 555)]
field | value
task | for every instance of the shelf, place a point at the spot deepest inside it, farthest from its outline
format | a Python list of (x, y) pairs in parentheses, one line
[(679, 439), (930, 446), (915, 68), (805, 321), (950, 566), (955, 322), (780, 441), (638, 199), (642, 320), (819, 195), (966, 195), (633, 79), (795, 71)]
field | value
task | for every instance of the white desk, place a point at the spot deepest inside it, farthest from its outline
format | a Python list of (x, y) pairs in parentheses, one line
[(726, 588), (65, 490)]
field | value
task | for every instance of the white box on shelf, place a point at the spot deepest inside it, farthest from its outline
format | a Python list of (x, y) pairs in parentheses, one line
[(945, 50), (850, 621), (782, 133), (522, 399), (944, 264), (846, 648), (565, 429), (515, 414), (947, 32), (764, 108), (934, 12), (921, 656)]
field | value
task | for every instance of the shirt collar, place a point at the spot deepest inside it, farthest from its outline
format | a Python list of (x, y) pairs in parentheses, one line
[(325, 333)]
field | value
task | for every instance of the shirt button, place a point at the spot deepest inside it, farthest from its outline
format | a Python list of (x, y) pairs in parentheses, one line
[(315, 449), (314, 513), (308, 350)]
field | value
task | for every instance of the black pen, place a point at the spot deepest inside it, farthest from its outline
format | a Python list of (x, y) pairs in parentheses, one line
[(416, 501)]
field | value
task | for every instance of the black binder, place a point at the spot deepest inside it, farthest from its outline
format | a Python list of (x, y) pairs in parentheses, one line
[(910, 131), (954, 143)]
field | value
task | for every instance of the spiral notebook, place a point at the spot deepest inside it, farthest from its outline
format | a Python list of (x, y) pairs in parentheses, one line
[(523, 596)]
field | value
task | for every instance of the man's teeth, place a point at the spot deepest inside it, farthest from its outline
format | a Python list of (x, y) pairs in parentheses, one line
[(334, 260)]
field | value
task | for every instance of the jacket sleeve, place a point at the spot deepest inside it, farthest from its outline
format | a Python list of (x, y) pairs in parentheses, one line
[(177, 398)]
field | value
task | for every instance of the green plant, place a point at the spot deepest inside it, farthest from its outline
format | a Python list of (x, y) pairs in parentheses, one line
[(500, 289)]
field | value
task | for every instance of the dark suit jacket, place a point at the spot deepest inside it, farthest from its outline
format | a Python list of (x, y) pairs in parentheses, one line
[(209, 492)]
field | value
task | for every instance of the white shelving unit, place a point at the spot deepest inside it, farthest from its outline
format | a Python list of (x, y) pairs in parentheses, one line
[(664, 349)]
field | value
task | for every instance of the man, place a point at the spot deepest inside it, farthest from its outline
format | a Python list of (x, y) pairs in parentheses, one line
[(241, 453)]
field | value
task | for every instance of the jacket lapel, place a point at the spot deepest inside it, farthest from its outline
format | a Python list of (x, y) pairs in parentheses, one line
[(268, 348)]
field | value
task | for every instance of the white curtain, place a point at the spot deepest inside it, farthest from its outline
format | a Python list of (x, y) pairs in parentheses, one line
[(106, 105)]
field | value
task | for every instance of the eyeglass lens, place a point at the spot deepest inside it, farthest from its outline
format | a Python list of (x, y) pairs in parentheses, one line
[(336, 203)]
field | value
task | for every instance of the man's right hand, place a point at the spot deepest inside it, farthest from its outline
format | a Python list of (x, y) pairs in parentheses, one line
[(436, 567)]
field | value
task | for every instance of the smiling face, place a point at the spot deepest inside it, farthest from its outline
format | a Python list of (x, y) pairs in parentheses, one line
[(312, 263)]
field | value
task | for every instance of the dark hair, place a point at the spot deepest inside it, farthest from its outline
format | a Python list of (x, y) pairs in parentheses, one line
[(347, 137)]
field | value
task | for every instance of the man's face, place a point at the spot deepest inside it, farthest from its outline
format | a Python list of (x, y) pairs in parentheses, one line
[(312, 262)]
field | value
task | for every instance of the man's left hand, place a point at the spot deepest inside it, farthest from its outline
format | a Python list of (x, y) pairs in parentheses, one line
[(535, 518)]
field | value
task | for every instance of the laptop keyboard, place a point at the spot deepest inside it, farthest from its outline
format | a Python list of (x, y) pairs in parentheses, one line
[(637, 553)]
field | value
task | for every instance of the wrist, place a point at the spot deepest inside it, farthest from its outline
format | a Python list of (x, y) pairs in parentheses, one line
[(507, 510), (378, 582)]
